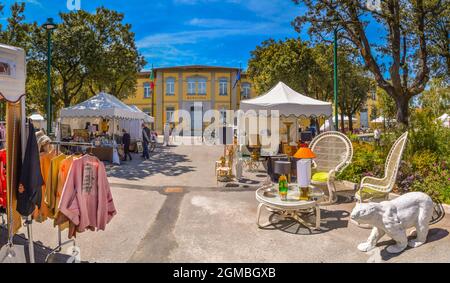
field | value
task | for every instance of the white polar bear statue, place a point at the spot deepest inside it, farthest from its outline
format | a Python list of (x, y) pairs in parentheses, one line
[(394, 218)]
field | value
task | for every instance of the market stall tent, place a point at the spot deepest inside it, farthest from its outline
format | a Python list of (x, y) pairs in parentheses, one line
[(12, 89), (382, 119), (289, 102), (38, 121), (12, 73), (104, 105), (329, 126), (290, 105), (445, 120), (148, 118)]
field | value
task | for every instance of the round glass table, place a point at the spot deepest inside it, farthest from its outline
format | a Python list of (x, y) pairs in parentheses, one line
[(292, 207)]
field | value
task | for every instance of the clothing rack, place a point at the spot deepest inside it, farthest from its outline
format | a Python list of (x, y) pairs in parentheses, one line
[(58, 248)]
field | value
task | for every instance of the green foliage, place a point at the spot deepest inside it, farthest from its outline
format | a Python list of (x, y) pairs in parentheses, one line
[(367, 161), (424, 165), (414, 41), (437, 98), (309, 70), (435, 181), (427, 134), (91, 52), (290, 61), (386, 104)]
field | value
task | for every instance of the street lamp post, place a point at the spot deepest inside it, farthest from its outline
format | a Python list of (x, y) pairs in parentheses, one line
[(335, 80), (49, 26)]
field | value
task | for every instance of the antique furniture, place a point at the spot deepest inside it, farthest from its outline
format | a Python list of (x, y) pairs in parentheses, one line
[(377, 189), (334, 152), (292, 207)]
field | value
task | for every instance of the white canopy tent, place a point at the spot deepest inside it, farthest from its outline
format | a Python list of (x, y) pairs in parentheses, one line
[(106, 106), (148, 118), (12, 72), (38, 120), (290, 104), (445, 120), (382, 119), (327, 126)]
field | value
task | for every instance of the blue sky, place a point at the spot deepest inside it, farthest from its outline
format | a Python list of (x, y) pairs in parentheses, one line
[(185, 32)]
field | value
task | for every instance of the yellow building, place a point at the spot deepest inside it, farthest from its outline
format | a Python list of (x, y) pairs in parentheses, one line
[(189, 88)]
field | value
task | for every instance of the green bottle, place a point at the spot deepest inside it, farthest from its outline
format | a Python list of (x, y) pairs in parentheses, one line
[(283, 187)]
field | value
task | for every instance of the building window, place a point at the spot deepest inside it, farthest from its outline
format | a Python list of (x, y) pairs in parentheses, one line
[(223, 86), (147, 90), (170, 114), (191, 86), (196, 85), (223, 115), (170, 86), (202, 86), (245, 91)]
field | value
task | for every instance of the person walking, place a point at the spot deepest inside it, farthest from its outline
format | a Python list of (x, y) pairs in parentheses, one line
[(145, 141), (166, 134), (126, 139), (377, 136)]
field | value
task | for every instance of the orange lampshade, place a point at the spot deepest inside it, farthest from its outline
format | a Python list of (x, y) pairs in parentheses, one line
[(304, 153)]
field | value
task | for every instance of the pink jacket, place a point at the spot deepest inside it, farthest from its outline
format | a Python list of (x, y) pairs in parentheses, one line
[(86, 197)]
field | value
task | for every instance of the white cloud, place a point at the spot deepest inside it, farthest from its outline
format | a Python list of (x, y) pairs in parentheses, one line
[(217, 23), (35, 2), (194, 36)]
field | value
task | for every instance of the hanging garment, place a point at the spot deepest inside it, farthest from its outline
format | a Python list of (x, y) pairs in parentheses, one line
[(86, 198), (64, 168), (41, 214), (52, 184), (3, 187), (13, 162), (29, 191)]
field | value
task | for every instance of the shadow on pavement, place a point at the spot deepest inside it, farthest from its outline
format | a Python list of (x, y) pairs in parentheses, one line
[(40, 252), (435, 234), (331, 220), (161, 161)]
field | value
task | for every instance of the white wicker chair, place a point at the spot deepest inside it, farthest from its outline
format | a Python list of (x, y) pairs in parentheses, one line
[(378, 189), (334, 152)]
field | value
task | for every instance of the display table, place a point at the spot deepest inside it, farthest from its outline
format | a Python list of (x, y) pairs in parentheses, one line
[(103, 153), (290, 208)]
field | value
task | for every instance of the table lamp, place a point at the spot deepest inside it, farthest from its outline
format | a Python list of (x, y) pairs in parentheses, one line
[(304, 156)]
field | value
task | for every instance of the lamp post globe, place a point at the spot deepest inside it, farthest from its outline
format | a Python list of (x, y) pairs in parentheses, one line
[(49, 26)]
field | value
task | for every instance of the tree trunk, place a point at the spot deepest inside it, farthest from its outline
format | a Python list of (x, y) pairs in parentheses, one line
[(402, 103), (342, 122), (350, 123)]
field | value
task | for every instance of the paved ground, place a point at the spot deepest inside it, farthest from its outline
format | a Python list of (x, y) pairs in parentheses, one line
[(170, 209)]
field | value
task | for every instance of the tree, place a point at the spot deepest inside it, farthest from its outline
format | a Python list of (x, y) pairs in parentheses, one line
[(309, 70), (407, 47), (354, 87), (437, 98), (386, 105), (438, 32), (290, 61), (117, 61), (90, 53)]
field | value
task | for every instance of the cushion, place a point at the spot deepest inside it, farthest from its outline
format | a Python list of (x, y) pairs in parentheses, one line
[(367, 193), (320, 177)]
